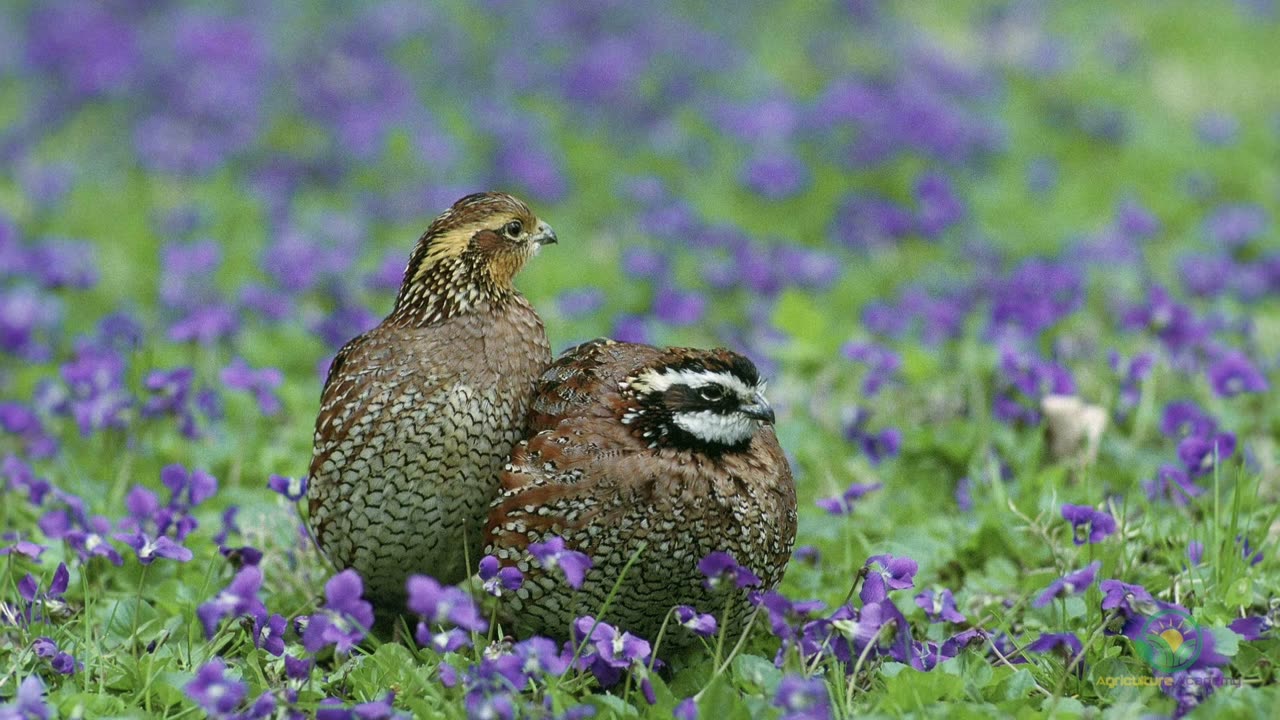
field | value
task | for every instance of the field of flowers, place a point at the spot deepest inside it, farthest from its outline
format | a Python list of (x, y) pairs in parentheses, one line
[(1012, 268)]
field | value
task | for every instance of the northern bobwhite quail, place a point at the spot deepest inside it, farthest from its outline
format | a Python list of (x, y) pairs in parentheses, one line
[(418, 414), (673, 448)]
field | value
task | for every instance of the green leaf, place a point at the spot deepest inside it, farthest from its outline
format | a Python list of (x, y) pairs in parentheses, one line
[(912, 690), (757, 672)]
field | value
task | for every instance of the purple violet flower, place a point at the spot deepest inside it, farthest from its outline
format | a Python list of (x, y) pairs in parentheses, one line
[(148, 548), (345, 617), (802, 698), (215, 693), (1251, 628), (1235, 373), (1070, 584), (1066, 643), (843, 503), (1087, 524), (293, 489), (720, 569), (552, 554), (1199, 454), (268, 632), (940, 606), (886, 573), (240, 597), (703, 625), (608, 652), (29, 702), (497, 579), (1183, 418), (61, 662), (442, 605), (262, 383)]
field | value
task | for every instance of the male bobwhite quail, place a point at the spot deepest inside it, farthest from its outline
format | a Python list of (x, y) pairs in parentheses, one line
[(418, 414), (631, 444)]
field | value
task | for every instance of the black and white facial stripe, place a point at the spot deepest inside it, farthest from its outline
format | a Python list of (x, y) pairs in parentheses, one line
[(697, 405)]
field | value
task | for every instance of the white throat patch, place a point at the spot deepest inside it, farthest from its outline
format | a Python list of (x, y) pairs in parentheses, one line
[(713, 427)]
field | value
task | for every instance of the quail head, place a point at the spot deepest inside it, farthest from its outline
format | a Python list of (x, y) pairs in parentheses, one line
[(418, 414), (658, 457)]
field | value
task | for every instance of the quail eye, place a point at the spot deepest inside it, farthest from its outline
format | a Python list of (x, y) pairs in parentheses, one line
[(512, 229), (712, 393)]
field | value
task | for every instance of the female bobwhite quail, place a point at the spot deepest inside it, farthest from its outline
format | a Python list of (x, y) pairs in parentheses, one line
[(631, 444), (418, 414)]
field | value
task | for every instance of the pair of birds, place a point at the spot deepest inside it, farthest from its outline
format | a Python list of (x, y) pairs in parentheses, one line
[(447, 433)]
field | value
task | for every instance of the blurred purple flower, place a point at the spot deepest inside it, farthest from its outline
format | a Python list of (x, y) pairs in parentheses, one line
[(22, 547), (1135, 221), (497, 580), (883, 365), (1234, 373), (351, 87), (18, 419), (939, 606), (28, 703), (439, 605), (345, 617), (1036, 295), (843, 503), (239, 598), (1173, 484), (720, 570), (679, 307), (187, 488), (149, 548), (206, 324), (580, 302), (1233, 226), (169, 394), (552, 554), (1206, 275), (29, 317), (1088, 525), (262, 383), (877, 446), (1174, 323), (293, 489), (699, 624), (1183, 418), (1199, 454), (939, 206), (775, 174), (213, 691), (89, 50), (802, 698), (1065, 643), (867, 222), (62, 263), (886, 573), (1072, 583)]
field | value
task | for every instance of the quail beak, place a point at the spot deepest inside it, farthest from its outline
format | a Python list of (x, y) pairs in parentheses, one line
[(758, 409), (544, 235)]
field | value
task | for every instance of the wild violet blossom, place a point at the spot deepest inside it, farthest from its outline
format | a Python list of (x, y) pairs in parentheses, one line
[(344, 618), (553, 554)]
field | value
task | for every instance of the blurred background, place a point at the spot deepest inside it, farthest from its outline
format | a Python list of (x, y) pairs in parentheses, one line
[(788, 178)]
